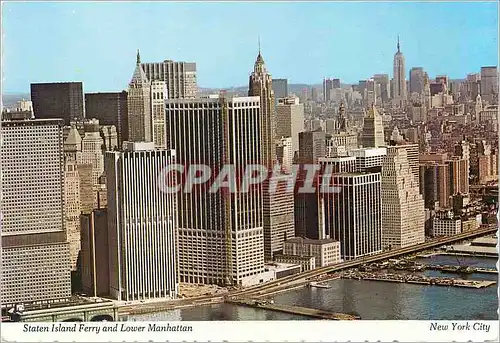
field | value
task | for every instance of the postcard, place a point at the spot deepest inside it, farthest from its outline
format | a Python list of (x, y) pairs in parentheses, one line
[(249, 171)]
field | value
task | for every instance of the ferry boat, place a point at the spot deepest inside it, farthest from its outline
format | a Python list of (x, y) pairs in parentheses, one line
[(319, 285)]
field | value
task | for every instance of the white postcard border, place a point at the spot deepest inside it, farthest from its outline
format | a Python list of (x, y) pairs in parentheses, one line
[(256, 331)]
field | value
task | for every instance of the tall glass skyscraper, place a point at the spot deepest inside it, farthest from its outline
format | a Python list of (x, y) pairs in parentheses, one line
[(220, 234)]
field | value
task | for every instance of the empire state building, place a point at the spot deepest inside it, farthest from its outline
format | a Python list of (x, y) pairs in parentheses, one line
[(399, 85)]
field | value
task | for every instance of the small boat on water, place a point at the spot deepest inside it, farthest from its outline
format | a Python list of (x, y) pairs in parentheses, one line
[(319, 285)]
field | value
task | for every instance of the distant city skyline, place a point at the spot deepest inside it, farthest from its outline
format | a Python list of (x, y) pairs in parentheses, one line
[(96, 42)]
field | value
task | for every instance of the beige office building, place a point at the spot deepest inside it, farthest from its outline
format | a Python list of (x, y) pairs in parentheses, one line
[(72, 199), (373, 129), (278, 216), (325, 251), (446, 224), (285, 153), (290, 120), (403, 213), (35, 254), (72, 209), (179, 77), (91, 152)]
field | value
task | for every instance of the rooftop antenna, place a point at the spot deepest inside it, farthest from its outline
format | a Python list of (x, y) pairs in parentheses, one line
[(398, 43)]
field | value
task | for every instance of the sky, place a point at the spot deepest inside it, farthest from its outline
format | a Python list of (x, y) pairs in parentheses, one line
[(96, 42)]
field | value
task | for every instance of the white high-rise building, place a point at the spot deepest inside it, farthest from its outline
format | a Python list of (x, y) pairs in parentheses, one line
[(285, 153), (220, 233), (478, 108), (290, 120), (399, 77), (142, 225), (369, 159), (403, 213), (25, 106), (35, 253)]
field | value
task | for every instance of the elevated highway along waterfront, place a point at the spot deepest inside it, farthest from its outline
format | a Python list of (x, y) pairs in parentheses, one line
[(298, 280), (304, 277)]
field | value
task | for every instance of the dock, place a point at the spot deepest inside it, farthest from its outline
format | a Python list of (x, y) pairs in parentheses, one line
[(292, 309), (459, 269), (418, 279)]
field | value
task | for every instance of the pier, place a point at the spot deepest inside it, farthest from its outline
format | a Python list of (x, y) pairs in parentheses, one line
[(460, 269), (291, 309), (417, 279)]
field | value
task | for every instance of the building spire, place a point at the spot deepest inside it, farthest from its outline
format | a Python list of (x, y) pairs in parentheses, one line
[(138, 57), (398, 44), (259, 62)]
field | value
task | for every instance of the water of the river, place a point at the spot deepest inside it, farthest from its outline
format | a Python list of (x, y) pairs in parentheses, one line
[(369, 299)]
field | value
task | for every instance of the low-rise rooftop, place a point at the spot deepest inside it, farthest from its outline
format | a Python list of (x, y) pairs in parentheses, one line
[(301, 240)]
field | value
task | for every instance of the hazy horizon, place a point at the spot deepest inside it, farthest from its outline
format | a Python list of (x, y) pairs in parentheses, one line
[(304, 42)]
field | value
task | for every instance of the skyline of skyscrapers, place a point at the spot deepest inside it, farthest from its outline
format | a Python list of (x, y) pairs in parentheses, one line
[(227, 239)]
